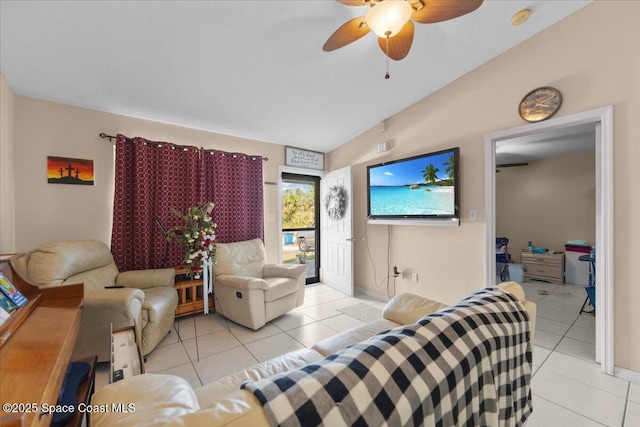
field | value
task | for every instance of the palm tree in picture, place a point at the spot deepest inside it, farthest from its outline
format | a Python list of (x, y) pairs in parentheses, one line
[(430, 174), (451, 165)]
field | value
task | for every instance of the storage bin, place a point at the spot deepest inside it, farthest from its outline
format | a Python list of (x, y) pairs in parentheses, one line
[(576, 271), (288, 238), (516, 272)]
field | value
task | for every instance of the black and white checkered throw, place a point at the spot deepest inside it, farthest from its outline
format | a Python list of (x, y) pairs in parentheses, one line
[(468, 365)]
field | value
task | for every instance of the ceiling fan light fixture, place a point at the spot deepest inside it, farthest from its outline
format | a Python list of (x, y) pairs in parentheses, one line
[(387, 18)]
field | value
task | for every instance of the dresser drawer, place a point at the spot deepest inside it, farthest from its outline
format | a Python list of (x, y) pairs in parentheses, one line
[(549, 267), (540, 259), (544, 270)]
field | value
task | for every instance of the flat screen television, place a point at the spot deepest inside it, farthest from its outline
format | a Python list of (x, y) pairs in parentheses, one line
[(419, 187)]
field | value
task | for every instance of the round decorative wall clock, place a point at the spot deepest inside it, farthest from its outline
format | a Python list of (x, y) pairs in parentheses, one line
[(540, 104)]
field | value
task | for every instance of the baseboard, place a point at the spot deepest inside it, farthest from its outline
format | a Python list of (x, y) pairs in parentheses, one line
[(375, 295), (626, 374)]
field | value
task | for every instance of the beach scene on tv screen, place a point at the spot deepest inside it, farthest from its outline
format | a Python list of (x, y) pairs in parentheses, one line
[(420, 186)]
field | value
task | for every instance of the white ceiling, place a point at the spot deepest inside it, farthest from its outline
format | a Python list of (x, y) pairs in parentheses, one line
[(253, 69), (552, 143)]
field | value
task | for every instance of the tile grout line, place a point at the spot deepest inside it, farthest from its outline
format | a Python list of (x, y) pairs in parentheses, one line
[(250, 352), (626, 404), (181, 341), (570, 410)]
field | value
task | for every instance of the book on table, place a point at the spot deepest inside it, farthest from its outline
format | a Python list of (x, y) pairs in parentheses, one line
[(11, 292), (6, 308)]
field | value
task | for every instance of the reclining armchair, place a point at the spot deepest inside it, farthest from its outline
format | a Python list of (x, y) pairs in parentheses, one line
[(144, 297), (251, 292)]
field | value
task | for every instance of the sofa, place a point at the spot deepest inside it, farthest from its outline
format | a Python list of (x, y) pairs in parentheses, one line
[(501, 397), (251, 292), (144, 298)]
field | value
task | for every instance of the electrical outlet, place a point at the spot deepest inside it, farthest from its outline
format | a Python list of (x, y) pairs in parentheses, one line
[(414, 277)]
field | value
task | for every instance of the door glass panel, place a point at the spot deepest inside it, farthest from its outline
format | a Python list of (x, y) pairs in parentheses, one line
[(300, 199)]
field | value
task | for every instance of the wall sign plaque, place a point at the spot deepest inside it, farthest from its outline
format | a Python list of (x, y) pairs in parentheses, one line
[(302, 158)]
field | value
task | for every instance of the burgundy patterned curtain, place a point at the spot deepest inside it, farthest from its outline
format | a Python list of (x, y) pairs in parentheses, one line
[(234, 182), (151, 179)]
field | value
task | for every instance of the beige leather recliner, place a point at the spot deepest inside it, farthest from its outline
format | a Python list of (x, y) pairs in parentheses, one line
[(147, 297), (251, 292)]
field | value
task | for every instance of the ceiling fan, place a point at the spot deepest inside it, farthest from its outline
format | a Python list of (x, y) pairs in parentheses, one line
[(392, 21), (510, 165)]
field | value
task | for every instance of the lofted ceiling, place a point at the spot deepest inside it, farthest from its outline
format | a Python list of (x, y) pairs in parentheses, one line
[(252, 69)]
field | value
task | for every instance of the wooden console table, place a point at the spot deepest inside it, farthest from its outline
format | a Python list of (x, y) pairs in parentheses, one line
[(190, 294), (37, 342)]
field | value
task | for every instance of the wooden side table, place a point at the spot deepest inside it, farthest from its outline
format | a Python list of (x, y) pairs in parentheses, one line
[(190, 294)]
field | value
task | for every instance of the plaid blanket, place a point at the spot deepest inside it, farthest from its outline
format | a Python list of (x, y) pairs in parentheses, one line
[(468, 365)]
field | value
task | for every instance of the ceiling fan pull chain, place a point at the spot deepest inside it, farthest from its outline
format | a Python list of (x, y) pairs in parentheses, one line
[(386, 76)]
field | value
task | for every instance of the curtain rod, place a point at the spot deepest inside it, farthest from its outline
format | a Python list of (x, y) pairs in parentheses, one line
[(105, 136), (110, 137)]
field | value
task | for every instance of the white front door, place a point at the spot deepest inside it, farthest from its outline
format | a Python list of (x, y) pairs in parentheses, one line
[(336, 230)]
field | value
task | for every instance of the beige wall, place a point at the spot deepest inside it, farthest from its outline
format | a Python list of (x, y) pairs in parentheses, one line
[(7, 213), (47, 212), (593, 57), (548, 202)]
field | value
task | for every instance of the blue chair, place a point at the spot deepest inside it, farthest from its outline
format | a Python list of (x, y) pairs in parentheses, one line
[(591, 295), (503, 257), (591, 289)]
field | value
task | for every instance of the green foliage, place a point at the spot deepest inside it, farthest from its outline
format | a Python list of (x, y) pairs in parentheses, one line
[(298, 208), (429, 173), (450, 164)]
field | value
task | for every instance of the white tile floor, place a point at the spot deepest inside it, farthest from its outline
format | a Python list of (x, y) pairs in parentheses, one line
[(568, 387)]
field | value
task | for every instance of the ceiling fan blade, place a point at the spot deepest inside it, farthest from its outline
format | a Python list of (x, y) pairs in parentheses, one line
[(347, 33), (511, 165), (355, 2), (442, 10), (399, 44)]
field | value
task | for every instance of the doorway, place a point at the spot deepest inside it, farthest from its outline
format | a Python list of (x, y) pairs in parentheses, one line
[(300, 214), (603, 120)]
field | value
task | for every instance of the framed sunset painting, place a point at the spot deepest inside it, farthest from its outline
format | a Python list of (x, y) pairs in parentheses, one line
[(65, 170)]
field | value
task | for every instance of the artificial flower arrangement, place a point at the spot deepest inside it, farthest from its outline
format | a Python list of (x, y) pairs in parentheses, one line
[(197, 235)]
